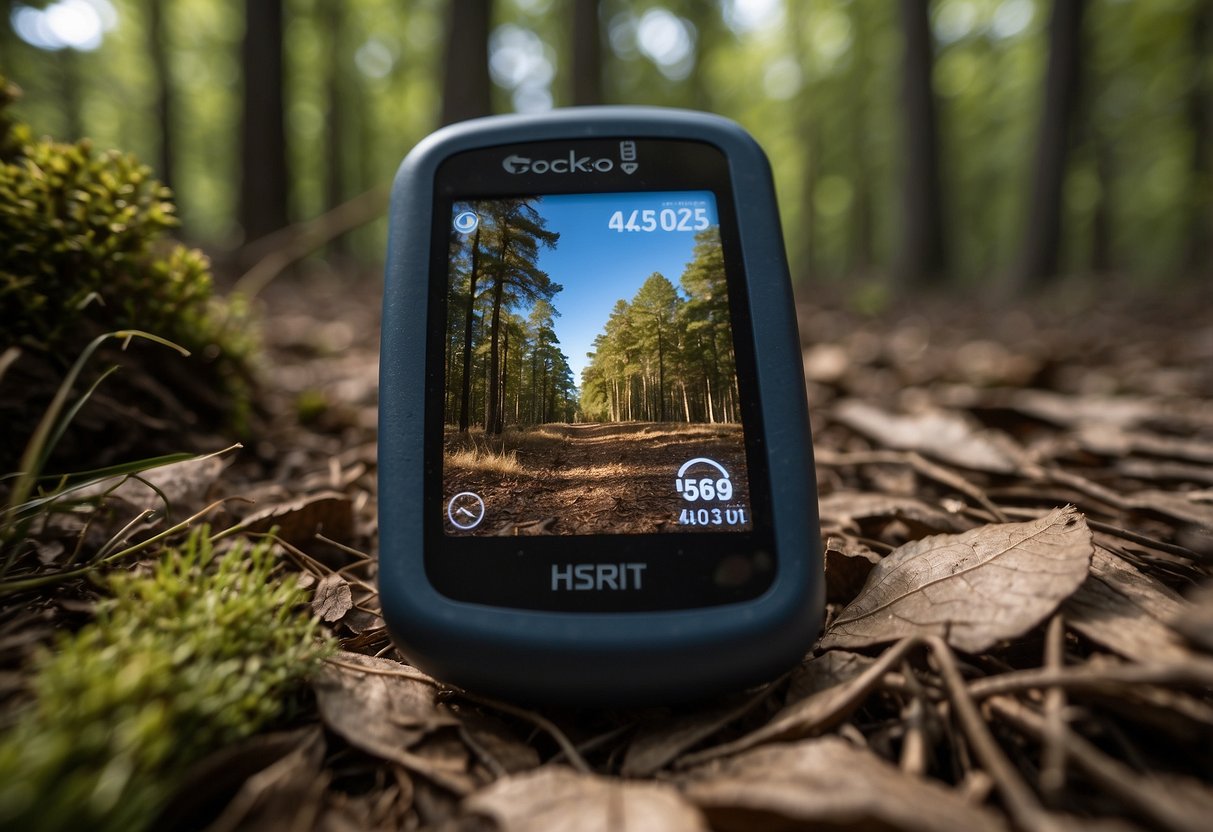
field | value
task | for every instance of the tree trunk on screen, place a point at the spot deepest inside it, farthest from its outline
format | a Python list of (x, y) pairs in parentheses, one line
[(587, 53), (263, 181), (467, 90), (162, 83), (922, 254), (1039, 257), (1200, 114)]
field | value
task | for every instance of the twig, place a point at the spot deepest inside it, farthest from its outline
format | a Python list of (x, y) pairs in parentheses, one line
[(1053, 753), (914, 746), (1195, 672), (920, 464), (415, 675), (1024, 808), (539, 720), (1158, 804)]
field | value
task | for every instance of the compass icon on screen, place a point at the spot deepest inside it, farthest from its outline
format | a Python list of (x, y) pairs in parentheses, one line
[(465, 510)]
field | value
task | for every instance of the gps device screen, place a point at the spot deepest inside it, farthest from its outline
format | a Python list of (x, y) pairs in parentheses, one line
[(591, 377), (593, 435), (595, 467)]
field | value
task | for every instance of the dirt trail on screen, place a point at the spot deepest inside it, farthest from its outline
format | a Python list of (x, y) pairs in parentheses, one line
[(613, 478)]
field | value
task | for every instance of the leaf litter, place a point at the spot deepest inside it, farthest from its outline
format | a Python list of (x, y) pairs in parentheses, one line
[(979, 639)]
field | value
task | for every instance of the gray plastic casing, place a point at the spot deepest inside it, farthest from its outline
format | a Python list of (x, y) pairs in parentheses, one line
[(596, 659)]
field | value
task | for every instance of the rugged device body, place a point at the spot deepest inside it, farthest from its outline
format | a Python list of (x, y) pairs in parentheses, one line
[(706, 576)]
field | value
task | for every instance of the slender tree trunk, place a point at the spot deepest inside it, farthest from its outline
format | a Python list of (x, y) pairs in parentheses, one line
[(587, 53), (922, 254), (1200, 115), (333, 18), (162, 85), (467, 89), (805, 239), (1041, 252), (263, 182), (505, 375), (492, 414), (468, 320)]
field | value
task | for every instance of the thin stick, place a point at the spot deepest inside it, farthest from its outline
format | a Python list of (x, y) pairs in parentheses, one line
[(1162, 806), (403, 672), (1021, 803), (538, 720), (914, 746), (1195, 672), (1053, 752)]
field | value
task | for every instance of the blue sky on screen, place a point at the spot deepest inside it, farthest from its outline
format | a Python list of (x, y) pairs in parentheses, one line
[(598, 265)]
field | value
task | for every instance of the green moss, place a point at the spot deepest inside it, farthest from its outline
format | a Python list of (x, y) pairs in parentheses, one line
[(203, 651), (83, 251)]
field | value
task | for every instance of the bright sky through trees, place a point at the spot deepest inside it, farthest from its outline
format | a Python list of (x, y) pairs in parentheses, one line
[(597, 265)]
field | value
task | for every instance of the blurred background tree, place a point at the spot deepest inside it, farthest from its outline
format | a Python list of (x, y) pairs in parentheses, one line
[(949, 143)]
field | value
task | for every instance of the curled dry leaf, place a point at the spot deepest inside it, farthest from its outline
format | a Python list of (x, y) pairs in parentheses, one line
[(385, 715), (559, 799), (828, 783), (826, 671), (333, 598), (1126, 611), (299, 521), (658, 743), (847, 565), (848, 509), (975, 589), (940, 434)]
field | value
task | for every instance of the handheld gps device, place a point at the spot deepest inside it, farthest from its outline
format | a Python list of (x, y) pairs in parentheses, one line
[(595, 470)]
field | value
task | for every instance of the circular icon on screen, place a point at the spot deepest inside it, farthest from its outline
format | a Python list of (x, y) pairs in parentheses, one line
[(466, 222), (465, 510)]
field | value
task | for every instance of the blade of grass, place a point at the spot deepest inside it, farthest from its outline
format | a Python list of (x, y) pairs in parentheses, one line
[(40, 446)]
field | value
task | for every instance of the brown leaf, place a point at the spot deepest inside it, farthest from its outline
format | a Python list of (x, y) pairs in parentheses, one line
[(815, 713), (975, 589), (847, 565), (828, 783), (559, 799), (333, 598), (940, 434), (384, 715), (1126, 611), (329, 513), (286, 795), (826, 671), (848, 509), (1195, 623), (657, 744)]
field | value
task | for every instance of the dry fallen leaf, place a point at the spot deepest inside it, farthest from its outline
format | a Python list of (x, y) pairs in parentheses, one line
[(940, 434), (298, 521), (975, 589), (1126, 611), (848, 509), (847, 566), (658, 743), (384, 715), (1195, 623), (828, 783), (333, 598), (824, 672), (559, 799)]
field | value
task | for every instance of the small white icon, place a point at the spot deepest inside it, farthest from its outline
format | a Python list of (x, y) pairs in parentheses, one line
[(703, 488), (465, 510), (466, 222), (627, 156)]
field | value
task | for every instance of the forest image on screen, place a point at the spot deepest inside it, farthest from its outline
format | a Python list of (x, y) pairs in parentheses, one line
[(591, 383)]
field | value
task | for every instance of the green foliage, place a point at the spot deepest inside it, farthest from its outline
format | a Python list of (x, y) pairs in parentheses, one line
[(81, 253), (201, 652)]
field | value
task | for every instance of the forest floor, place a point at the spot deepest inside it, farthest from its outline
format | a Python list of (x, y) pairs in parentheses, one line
[(1028, 487), (614, 478)]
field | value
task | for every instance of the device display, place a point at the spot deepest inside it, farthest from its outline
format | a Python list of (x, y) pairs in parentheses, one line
[(595, 470), (590, 373)]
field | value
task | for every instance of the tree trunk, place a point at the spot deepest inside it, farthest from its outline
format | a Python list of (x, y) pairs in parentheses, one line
[(805, 237), (465, 398), (263, 182), (466, 90), (587, 54), (333, 20), (1040, 255), (162, 83), (1200, 114), (922, 255)]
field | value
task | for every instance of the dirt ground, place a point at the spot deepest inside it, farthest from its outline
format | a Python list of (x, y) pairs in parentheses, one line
[(595, 478)]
